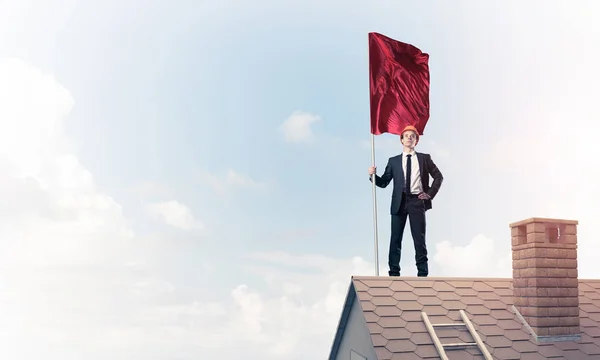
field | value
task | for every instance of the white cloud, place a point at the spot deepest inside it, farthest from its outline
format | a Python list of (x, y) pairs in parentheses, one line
[(175, 214), (63, 244), (78, 283), (231, 180), (151, 189), (297, 128), (33, 106), (292, 315), (302, 304), (479, 258), (52, 213)]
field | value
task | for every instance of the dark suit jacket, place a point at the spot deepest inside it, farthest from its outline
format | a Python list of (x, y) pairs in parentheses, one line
[(394, 171)]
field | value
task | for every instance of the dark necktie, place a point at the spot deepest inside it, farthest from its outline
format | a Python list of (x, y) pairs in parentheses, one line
[(408, 169)]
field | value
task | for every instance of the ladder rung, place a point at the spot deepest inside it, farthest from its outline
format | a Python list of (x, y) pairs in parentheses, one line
[(466, 322), (459, 345), (449, 325)]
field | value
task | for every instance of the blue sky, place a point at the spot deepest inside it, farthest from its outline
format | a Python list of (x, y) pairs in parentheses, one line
[(169, 192)]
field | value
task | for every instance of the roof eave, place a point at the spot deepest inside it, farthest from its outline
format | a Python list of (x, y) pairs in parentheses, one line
[(337, 340)]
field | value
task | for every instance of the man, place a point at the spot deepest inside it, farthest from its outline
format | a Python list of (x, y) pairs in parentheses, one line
[(411, 197)]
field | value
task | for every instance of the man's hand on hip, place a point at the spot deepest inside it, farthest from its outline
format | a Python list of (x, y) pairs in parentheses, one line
[(424, 196)]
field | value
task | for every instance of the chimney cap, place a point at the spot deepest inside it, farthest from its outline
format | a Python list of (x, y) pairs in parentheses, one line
[(545, 221)]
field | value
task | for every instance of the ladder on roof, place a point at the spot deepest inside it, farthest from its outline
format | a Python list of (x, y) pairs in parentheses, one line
[(441, 348)]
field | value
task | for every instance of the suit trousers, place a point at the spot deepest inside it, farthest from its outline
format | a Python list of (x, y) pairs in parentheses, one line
[(413, 208)]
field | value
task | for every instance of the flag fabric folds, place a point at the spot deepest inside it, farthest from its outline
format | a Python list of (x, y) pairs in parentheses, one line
[(399, 85)]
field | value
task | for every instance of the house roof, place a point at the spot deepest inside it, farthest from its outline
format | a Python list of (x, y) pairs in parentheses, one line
[(392, 310)]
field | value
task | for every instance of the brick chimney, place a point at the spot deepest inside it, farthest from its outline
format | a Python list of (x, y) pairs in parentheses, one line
[(545, 283)]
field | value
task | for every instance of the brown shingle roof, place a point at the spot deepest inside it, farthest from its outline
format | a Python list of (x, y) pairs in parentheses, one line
[(392, 309)]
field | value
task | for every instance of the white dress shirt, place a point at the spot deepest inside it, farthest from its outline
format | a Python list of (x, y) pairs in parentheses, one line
[(415, 174)]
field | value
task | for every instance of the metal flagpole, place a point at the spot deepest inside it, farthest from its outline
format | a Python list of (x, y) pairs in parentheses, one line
[(374, 207), (375, 236)]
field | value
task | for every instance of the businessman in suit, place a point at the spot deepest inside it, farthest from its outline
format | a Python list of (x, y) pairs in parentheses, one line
[(411, 198)]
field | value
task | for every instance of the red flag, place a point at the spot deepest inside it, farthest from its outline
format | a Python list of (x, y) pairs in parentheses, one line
[(399, 84)]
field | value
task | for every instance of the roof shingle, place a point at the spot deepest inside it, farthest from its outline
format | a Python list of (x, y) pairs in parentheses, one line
[(392, 310)]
